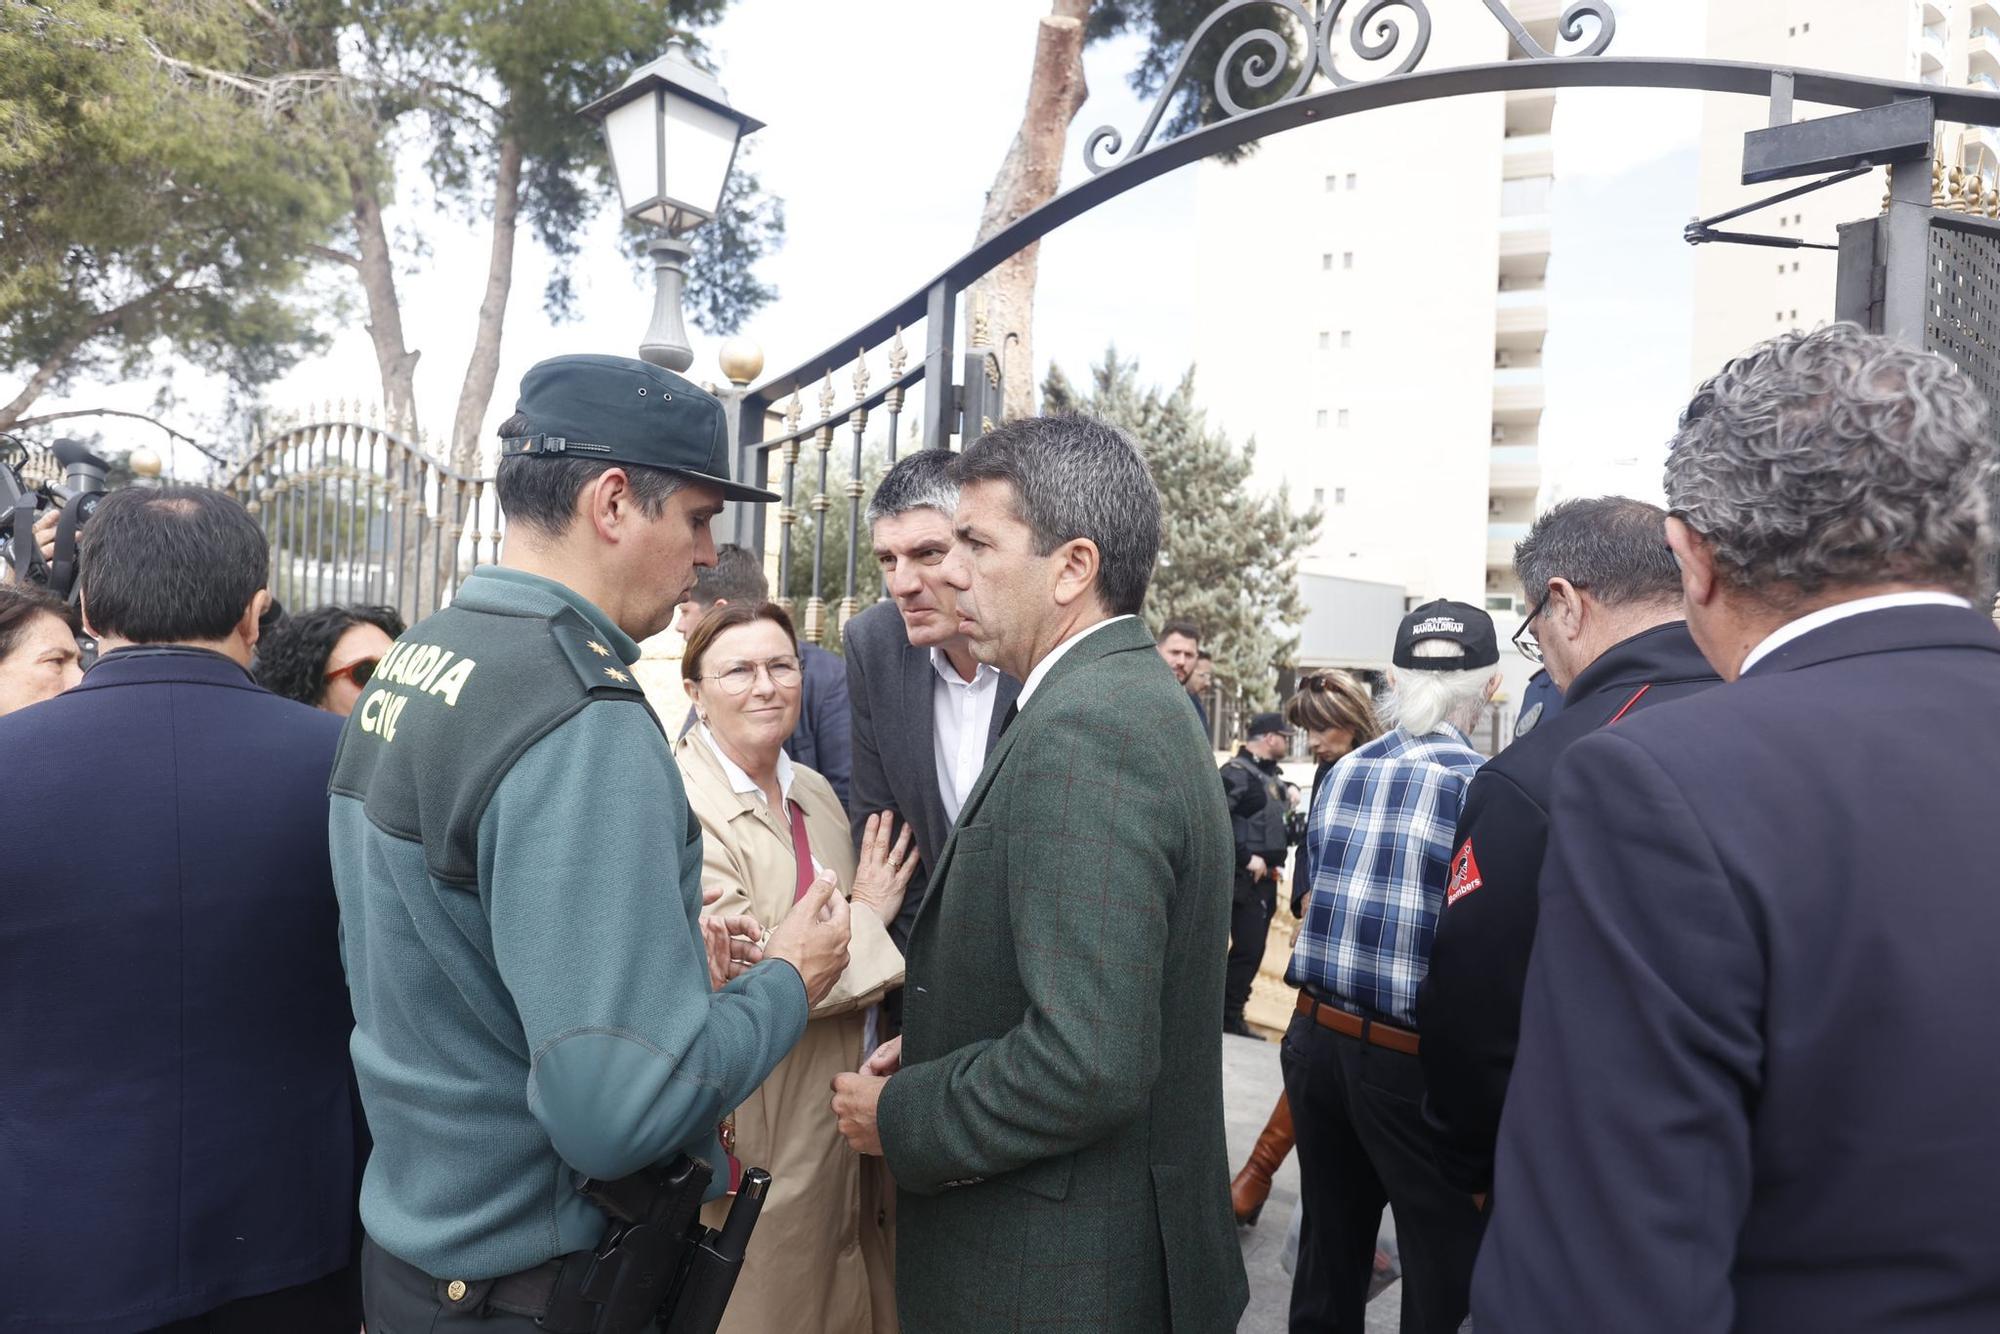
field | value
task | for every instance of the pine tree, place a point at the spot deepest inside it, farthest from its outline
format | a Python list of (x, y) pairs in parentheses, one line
[(1229, 558)]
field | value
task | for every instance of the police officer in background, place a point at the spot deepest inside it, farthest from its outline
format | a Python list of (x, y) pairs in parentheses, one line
[(1256, 791), (1608, 625), (520, 877)]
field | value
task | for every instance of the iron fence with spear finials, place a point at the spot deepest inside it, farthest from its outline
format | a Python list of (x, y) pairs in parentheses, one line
[(358, 509)]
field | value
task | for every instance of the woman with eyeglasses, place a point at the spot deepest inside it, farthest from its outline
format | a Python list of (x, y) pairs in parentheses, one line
[(820, 1253), (326, 656)]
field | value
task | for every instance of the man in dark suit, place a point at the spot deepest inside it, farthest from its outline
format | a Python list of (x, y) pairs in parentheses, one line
[(180, 1139), (1055, 1125), (1608, 623), (1752, 1092), (820, 741), (926, 712)]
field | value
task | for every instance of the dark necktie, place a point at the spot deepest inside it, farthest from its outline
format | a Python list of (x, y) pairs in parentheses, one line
[(1007, 718)]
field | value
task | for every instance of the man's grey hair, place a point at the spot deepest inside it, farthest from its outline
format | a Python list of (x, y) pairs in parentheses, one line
[(1612, 546), (918, 481), (1077, 477), (1422, 701), (1832, 458)]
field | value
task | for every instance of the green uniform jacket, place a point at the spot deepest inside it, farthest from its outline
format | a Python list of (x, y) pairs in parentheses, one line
[(1056, 1129), (519, 880)]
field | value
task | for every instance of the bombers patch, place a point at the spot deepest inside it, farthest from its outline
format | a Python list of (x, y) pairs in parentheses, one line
[(1464, 875)]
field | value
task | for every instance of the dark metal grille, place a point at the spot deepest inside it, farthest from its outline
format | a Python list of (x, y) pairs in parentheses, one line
[(1962, 316)]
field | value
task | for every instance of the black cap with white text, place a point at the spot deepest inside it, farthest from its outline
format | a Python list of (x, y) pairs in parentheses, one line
[(1460, 623)]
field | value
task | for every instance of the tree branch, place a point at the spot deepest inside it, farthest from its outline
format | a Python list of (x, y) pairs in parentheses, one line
[(52, 364), (182, 436), (337, 256)]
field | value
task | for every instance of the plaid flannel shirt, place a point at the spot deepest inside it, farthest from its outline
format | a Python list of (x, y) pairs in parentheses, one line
[(1377, 855)]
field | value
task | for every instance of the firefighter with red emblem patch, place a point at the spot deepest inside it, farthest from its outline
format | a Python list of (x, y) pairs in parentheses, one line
[(1606, 622)]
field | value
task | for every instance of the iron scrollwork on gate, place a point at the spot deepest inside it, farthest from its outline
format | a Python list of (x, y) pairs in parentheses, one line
[(1258, 57)]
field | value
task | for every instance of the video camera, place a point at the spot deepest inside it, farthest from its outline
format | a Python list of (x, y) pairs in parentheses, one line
[(21, 504)]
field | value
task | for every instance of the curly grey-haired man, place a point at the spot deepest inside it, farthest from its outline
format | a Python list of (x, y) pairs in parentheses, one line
[(1752, 1092)]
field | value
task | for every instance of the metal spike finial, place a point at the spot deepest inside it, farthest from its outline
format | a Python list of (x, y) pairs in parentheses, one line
[(860, 374), (899, 356), (826, 394), (793, 411)]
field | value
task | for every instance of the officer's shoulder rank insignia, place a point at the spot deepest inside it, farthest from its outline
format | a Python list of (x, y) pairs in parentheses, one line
[(596, 666)]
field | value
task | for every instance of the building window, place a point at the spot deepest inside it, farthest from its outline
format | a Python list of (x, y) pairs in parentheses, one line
[(1805, 27), (1347, 338), (1352, 180), (1792, 31), (1319, 497), (1343, 418), (1325, 340), (1347, 259), (1319, 419), (1340, 495), (1331, 182), (1795, 314), (1326, 260)]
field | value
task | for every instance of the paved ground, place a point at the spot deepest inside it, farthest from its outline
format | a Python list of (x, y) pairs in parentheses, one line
[(1251, 1084)]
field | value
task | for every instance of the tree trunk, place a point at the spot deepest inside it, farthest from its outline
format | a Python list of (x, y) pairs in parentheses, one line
[(483, 367), (398, 364), (1028, 178)]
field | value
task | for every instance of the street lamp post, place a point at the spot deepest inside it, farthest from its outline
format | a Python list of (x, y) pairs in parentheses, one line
[(671, 136)]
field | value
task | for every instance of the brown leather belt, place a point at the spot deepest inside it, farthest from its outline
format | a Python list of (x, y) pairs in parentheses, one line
[(1354, 1026)]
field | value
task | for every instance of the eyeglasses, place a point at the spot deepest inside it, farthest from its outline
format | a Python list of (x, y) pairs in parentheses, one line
[(1524, 638), (359, 672), (784, 674)]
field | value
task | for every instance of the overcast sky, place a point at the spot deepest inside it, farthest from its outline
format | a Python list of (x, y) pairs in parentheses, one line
[(886, 121)]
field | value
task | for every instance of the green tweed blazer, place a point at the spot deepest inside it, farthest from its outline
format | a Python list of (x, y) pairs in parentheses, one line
[(1056, 1130)]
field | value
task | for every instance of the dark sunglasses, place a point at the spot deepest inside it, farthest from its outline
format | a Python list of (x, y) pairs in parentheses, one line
[(360, 672)]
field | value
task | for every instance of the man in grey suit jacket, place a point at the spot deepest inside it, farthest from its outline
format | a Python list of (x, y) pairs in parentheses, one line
[(926, 712)]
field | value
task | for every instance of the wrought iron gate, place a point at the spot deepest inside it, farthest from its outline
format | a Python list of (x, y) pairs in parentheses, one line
[(355, 511), (1282, 68)]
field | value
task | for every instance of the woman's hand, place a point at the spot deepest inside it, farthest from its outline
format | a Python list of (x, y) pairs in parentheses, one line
[(883, 876)]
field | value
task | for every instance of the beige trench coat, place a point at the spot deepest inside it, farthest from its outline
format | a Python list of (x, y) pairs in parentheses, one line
[(821, 1257)]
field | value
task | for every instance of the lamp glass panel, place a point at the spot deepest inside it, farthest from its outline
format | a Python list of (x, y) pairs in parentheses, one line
[(700, 144), (630, 133)]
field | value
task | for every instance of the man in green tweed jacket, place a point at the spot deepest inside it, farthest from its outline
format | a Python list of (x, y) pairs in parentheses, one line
[(1053, 1117)]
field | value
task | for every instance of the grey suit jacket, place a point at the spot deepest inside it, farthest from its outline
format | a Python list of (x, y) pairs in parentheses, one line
[(889, 685)]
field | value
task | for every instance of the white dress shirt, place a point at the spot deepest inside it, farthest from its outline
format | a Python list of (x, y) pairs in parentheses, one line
[(961, 720), (1042, 668), (1840, 611)]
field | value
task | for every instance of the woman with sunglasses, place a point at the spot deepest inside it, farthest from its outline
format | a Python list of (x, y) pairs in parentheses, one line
[(1336, 714), (325, 657), (769, 826)]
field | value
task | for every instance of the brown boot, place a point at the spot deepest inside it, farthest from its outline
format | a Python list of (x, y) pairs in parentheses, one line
[(1253, 1184)]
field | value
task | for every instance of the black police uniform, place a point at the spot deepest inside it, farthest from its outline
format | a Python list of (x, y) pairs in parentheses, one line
[(1469, 1005), (1256, 792)]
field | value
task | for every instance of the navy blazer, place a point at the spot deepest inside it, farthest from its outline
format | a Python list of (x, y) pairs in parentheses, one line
[(176, 1128), (822, 741), (1755, 1089), (1469, 1003)]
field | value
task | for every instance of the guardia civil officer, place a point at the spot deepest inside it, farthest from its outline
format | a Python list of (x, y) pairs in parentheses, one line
[(1754, 1092), (1607, 622), (1256, 792), (519, 876)]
